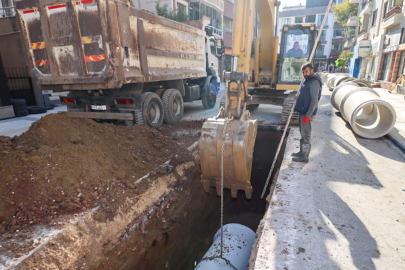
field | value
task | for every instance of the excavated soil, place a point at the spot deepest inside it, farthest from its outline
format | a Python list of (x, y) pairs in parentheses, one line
[(184, 133), (64, 166)]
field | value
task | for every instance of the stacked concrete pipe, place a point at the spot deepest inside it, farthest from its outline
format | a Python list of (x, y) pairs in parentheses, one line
[(368, 115)]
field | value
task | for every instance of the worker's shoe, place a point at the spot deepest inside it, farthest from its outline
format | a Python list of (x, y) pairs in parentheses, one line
[(306, 148), (299, 153)]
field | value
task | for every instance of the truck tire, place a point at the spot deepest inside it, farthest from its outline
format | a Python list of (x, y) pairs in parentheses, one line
[(36, 109), (210, 99), (21, 113), (173, 106), (160, 92), (152, 113), (19, 108), (18, 102)]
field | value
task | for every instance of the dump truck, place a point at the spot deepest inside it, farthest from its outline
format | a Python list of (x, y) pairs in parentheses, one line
[(118, 62)]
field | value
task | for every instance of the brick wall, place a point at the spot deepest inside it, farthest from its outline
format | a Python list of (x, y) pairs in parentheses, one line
[(381, 66)]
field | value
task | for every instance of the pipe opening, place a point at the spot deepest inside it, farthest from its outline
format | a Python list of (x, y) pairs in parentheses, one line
[(373, 120)]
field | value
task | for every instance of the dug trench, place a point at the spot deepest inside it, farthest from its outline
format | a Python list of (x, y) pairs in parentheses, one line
[(182, 229), (162, 221)]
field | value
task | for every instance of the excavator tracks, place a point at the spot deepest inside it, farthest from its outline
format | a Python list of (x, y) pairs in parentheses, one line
[(287, 107)]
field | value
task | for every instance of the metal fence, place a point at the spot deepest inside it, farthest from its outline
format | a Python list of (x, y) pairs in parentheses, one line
[(215, 30)]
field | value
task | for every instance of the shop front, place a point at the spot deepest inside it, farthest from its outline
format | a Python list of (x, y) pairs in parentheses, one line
[(374, 63), (355, 62), (320, 63), (364, 51), (391, 60)]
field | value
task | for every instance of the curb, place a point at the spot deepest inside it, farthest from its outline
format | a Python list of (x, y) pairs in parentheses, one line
[(396, 142)]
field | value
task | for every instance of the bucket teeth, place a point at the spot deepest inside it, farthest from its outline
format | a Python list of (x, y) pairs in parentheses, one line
[(238, 154)]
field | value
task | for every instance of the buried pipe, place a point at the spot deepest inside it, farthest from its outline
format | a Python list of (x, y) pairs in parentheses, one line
[(368, 115), (237, 246)]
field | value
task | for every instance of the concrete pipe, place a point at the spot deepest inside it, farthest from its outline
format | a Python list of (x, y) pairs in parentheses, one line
[(368, 115), (238, 244), (362, 83), (330, 82), (324, 76), (349, 79), (340, 79)]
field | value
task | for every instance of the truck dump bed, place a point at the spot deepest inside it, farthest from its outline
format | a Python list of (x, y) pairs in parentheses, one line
[(103, 44)]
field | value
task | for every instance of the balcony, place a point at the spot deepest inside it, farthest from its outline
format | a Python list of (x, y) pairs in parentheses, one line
[(365, 7), (349, 43), (354, 1), (363, 31), (215, 30), (352, 21), (393, 17)]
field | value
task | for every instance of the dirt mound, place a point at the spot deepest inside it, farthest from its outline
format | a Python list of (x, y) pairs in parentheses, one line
[(185, 132), (63, 165)]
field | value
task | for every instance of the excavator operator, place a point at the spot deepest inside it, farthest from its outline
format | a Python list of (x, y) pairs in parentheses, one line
[(307, 106), (295, 51)]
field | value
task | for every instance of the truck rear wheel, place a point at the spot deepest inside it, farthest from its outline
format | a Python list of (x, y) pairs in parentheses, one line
[(173, 106), (210, 99), (152, 111)]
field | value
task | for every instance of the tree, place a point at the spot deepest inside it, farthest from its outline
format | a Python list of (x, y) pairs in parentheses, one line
[(164, 11), (344, 11), (343, 59)]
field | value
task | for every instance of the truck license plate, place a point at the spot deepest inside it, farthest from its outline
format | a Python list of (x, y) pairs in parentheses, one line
[(98, 107)]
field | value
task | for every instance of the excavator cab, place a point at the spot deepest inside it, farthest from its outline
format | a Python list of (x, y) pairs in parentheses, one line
[(297, 41)]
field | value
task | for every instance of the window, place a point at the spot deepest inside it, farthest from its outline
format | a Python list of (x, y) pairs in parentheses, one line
[(181, 8), (195, 11), (338, 33), (375, 14), (297, 44), (320, 19), (213, 47), (216, 16), (310, 18), (319, 51), (323, 36), (339, 2), (285, 21), (299, 19), (337, 47), (386, 66)]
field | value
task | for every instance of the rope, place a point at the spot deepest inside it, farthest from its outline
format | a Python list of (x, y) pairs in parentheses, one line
[(224, 132), (295, 100)]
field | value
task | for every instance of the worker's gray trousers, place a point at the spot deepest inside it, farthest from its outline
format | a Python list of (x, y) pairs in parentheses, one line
[(305, 130)]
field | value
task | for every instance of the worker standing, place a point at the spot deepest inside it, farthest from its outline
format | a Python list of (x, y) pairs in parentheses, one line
[(307, 106)]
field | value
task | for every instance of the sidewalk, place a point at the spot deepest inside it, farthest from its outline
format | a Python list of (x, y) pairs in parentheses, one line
[(342, 210), (16, 126), (397, 135)]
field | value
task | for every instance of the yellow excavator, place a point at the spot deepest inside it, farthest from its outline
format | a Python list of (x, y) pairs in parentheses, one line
[(227, 140)]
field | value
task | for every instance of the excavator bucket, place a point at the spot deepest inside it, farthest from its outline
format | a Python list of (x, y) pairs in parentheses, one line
[(238, 145)]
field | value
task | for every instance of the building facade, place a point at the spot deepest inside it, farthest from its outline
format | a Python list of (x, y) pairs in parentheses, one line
[(174, 5), (331, 39), (214, 9), (379, 26), (228, 33)]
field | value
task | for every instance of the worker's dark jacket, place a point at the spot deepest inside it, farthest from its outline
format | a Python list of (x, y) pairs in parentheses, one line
[(304, 98)]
